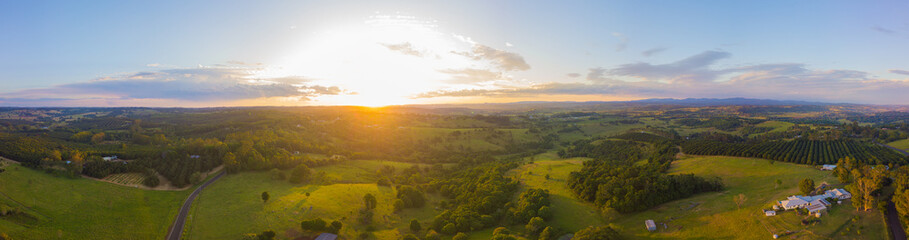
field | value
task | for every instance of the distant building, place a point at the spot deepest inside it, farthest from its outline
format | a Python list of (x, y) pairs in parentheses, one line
[(838, 193), (194, 156), (769, 213), (651, 226), (326, 236), (815, 204), (111, 158), (828, 167)]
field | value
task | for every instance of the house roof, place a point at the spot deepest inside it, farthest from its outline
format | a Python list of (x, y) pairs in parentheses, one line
[(326, 236), (650, 223), (838, 192), (793, 202), (816, 207)]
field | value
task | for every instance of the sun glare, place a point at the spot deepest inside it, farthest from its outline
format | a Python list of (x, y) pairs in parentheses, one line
[(382, 61)]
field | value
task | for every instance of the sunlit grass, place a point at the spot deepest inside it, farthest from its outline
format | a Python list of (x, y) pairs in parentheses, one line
[(716, 216), (85, 209)]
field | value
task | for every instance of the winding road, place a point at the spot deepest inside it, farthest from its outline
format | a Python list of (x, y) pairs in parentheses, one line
[(893, 218), (175, 232)]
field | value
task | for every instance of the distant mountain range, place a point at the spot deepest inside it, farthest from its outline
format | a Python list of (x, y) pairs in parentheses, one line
[(732, 101), (654, 103)]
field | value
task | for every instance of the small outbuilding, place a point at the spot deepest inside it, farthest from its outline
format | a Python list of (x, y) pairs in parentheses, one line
[(651, 226), (769, 213), (327, 236)]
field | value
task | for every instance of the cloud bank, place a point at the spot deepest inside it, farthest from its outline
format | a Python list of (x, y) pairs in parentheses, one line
[(187, 85), (697, 76)]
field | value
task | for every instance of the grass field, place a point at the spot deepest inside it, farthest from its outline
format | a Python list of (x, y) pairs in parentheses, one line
[(358, 171), (901, 144), (716, 216), (232, 206), (84, 209), (776, 125), (568, 213)]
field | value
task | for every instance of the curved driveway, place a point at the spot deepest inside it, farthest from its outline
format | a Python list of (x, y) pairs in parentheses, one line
[(175, 232)]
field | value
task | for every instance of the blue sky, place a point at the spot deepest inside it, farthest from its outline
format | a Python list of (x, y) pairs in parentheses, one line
[(224, 53)]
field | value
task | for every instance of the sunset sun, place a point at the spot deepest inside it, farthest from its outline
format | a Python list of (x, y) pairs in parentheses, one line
[(385, 60)]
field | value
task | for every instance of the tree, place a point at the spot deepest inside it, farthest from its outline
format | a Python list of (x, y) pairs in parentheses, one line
[(300, 174), (411, 196), (98, 138), (314, 225), (409, 237), (335, 227), (370, 201), (739, 200), (265, 197), (501, 231), (267, 235), (806, 186), (546, 234), (398, 205), (151, 181), (415, 226), (778, 183), (449, 228), (596, 233), (459, 236), (535, 225), (432, 235), (545, 212)]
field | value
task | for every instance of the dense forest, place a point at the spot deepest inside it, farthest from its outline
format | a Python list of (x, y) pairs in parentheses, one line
[(615, 180)]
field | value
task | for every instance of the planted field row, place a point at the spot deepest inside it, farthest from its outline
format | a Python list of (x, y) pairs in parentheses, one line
[(126, 178), (813, 152)]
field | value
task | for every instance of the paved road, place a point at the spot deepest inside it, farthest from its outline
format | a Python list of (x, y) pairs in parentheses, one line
[(176, 230), (893, 219), (891, 147)]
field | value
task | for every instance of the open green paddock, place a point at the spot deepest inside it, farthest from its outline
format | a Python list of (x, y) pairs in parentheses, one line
[(66, 208), (232, 206), (716, 216)]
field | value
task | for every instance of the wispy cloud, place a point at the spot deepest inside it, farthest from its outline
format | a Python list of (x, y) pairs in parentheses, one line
[(404, 48), (775, 81), (883, 30), (202, 84), (507, 61), (691, 69), (596, 74), (472, 75), (573, 75), (653, 51), (897, 71), (623, 41)]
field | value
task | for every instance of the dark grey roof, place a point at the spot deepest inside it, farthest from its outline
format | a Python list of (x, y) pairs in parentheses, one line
[(326, 236)]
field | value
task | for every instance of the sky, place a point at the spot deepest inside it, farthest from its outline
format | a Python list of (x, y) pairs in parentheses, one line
[(377, 53)]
